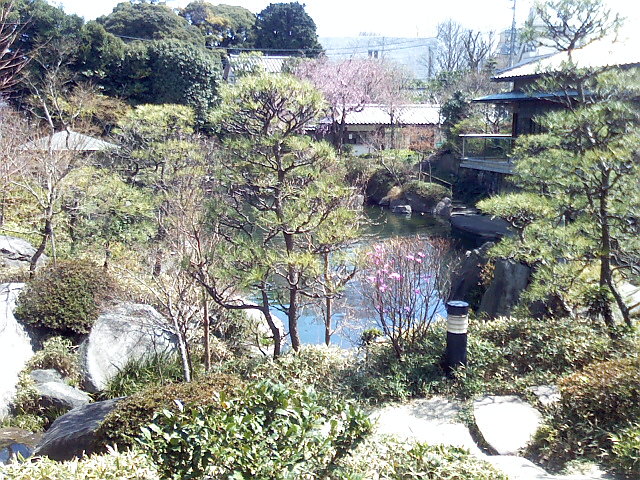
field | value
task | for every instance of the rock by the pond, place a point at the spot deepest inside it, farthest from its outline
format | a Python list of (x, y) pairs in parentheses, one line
[(547, 394), (402, 209), (14, 441), (15, 345), (433, 421), (16, 253), (506, 422), (443, 208), (510, 279), (73, 434), (468, 279), (127, 331), (489, 228), (54, 391)]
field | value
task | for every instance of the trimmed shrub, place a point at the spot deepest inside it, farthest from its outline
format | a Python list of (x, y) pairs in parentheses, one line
[(123, 425), (65, 297), (270, 431), (596, 403), (129, 465), (389, 459), (60, 354)]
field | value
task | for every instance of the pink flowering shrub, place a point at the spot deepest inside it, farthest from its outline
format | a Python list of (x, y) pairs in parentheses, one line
[(406, 282)]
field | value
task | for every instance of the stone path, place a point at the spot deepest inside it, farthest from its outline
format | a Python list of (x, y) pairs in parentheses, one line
[(434, 421)]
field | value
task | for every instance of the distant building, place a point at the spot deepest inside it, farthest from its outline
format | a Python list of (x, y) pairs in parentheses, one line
[(239, 65), (413, 53), (68, 141), (377, 127)]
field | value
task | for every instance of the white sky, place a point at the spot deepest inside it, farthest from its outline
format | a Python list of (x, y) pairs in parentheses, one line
[(393, 18)]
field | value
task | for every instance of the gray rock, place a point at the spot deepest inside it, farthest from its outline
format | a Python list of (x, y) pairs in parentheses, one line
[(15, 345), (547, 394), (433, 421), (518, 468), (402, 209), (125, 332), (45, 376), (468, 279), (16, 253), (443, 208), (510, 279), (483, 226), (507, 423), (73, 434), (418, 203), (54, 391)]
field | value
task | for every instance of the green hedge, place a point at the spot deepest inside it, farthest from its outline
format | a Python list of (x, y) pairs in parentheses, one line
[(123, 425)]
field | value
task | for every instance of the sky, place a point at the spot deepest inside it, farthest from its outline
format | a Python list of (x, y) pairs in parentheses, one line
[(392, 18)]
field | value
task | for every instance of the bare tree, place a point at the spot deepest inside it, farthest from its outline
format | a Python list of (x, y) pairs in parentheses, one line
[(477, 48), (12, 60), (13, 161), (570, 24), (450, 54)]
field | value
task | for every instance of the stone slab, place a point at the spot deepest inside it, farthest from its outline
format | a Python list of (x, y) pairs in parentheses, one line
[(432, 421), (507, 423)]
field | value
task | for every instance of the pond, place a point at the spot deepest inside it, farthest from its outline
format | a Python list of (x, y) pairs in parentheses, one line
[(352, 314)]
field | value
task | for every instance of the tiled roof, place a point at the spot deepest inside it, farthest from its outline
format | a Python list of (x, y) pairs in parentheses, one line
[(599, 54), (67, 141), (266, 63), (418, 114)]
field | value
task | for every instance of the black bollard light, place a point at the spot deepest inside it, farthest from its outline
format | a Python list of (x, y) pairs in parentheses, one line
[(457, 324)]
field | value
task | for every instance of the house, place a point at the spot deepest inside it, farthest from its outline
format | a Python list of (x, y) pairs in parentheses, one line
[(248, 63), (491, 154), (376, 127), (67, 140)]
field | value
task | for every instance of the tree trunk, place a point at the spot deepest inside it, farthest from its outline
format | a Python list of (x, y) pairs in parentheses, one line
[(182, 347), (275, 331), (46, 233), (207, 333), (327, 321), (605, 255), (292, 312)]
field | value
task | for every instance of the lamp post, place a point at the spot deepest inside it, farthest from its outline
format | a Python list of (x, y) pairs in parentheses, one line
[(457, 325)]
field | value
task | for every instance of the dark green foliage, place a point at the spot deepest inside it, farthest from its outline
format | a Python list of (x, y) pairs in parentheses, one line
[(222, 25), (98, 52), (453, 111), (149, 21), (65, 297), (123, 424), (169, 71), (138, 374), (287, 27), (597, 403), (427, 192), (270, 431)]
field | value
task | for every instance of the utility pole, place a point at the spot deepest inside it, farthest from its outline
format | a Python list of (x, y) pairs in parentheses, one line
[(512, 47)]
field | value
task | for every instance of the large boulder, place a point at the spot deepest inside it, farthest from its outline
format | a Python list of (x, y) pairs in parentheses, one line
[(16, 253), (510, 279), (443, 208), (73, 434), (126, 332), (466, 283), (15, 345), (55, 393)]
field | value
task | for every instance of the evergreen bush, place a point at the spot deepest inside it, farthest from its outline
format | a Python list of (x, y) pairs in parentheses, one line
[(65, 297)]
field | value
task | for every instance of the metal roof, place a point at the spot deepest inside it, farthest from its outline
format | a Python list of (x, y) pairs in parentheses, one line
[(414, 114), (68, 141), (599, 54), (509, 97), (266, 63)]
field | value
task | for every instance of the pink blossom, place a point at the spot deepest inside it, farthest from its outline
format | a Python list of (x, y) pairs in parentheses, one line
[(395, 276), (420, 254), (410, 257)]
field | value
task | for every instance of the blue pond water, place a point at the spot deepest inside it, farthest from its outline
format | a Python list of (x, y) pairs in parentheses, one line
[(352, 315)]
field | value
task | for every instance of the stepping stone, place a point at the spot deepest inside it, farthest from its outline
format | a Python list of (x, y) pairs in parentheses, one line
[(547, 394), (506, 423), (518, 468), (432, 421)]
